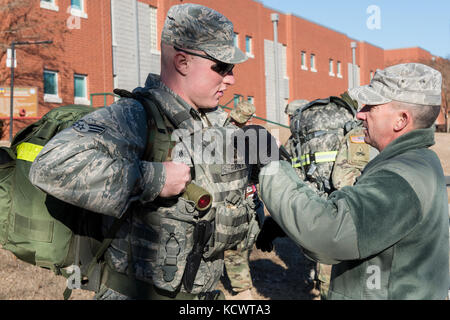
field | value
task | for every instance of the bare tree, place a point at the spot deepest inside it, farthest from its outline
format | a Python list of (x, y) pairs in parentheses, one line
[(443, 65), (24, 20)]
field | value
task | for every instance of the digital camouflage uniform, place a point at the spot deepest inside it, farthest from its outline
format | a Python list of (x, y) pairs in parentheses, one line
[(97, 164), (236, 260), (291, 143)]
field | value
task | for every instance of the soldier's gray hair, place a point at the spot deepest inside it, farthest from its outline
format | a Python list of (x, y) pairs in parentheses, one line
[(424, 115)]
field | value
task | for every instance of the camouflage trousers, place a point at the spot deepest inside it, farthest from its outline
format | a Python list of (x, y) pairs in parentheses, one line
[(238, 269), (323, 274)]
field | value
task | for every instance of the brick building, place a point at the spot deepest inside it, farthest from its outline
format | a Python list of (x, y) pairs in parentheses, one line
[(111, 44)]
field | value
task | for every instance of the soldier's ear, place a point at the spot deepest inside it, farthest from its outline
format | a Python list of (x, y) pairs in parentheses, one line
[(403, 120), (181, 62)]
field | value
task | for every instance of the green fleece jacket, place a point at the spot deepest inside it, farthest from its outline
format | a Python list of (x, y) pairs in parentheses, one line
[(387, 236)]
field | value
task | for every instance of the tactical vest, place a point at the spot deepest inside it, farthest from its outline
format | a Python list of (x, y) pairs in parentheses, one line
[(187, 243)]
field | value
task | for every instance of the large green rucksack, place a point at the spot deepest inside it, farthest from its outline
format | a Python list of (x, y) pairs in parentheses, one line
[(318, 129), (42, 230), (34, 226)]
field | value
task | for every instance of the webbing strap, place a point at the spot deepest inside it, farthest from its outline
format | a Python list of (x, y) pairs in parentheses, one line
[(28, 151), (317, 157), (137, 289), (33, 229), (226, 239)]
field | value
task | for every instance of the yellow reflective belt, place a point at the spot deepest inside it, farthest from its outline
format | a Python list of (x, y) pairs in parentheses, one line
[(295, 163), (325, 156), (28, 151)]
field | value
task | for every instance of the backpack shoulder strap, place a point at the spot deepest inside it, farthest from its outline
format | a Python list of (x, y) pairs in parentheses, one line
[(158, 136)]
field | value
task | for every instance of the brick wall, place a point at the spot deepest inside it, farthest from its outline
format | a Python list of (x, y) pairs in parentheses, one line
[(87, 50)]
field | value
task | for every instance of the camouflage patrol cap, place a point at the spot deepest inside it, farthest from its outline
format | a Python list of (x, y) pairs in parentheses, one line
[(243, 112), (195, 27), (294, 105), (409, 82)]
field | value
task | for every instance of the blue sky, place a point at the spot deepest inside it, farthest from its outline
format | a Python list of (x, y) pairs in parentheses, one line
[(402, 23)]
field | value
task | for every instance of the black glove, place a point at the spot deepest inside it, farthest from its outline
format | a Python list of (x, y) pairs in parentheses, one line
[(256, 145), (269, 232)]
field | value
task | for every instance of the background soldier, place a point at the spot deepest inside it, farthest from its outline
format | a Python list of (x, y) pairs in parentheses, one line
[(100, 168), (290, 144), (236, 260)]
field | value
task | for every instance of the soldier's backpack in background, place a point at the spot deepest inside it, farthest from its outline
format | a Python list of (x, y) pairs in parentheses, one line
[(319, 128)]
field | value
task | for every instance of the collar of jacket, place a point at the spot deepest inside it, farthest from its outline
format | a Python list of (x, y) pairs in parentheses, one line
[(413, 140), (216, 116)]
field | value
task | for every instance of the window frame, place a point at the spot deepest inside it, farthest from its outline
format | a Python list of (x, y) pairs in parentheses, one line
[(52, 97), (236, 39), (81, 100), (236, 99), (49, 5), (312, 62), (78, 12), (331, 67), (249, 46), (339, 69), (303, 60)]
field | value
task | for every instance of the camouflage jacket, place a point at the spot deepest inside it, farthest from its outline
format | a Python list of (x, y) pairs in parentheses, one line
[(97, 164)]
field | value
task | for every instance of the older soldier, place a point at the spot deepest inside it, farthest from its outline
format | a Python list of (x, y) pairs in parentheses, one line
[(386, 236), (166, 248)]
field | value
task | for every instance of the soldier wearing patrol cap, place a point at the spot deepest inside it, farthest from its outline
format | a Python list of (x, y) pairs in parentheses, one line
[(236, 261), (104, 171), (242, 113), (387, 235)]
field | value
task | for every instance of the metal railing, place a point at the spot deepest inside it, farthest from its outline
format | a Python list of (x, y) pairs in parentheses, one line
[(225, 106), (105, 96)]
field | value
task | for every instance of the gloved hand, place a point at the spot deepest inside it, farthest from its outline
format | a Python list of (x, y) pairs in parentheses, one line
[(256, 145), (269, 232)]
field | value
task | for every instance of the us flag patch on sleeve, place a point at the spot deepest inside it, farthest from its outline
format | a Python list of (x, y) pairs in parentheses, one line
[(357, 139)]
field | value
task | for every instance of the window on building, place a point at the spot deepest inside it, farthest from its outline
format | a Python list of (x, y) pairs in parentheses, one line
[(249, 46), (303, 60), (313, 62), (80, 89), (49, 4), (339, 69), (78, 8), (51, 93), (236, 40), (153, 29), (371, 74), (236, 99), (251, 99), (331, 67)]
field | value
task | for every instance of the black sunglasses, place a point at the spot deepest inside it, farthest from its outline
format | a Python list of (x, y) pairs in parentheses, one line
[(221, 68)]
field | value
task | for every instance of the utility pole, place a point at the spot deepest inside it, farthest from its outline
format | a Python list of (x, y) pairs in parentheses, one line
[(275, 17), (353, 45), (13, 60)]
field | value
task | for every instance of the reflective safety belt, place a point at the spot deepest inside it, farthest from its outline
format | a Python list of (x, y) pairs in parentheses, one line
[(317, 157), (28, 151)]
